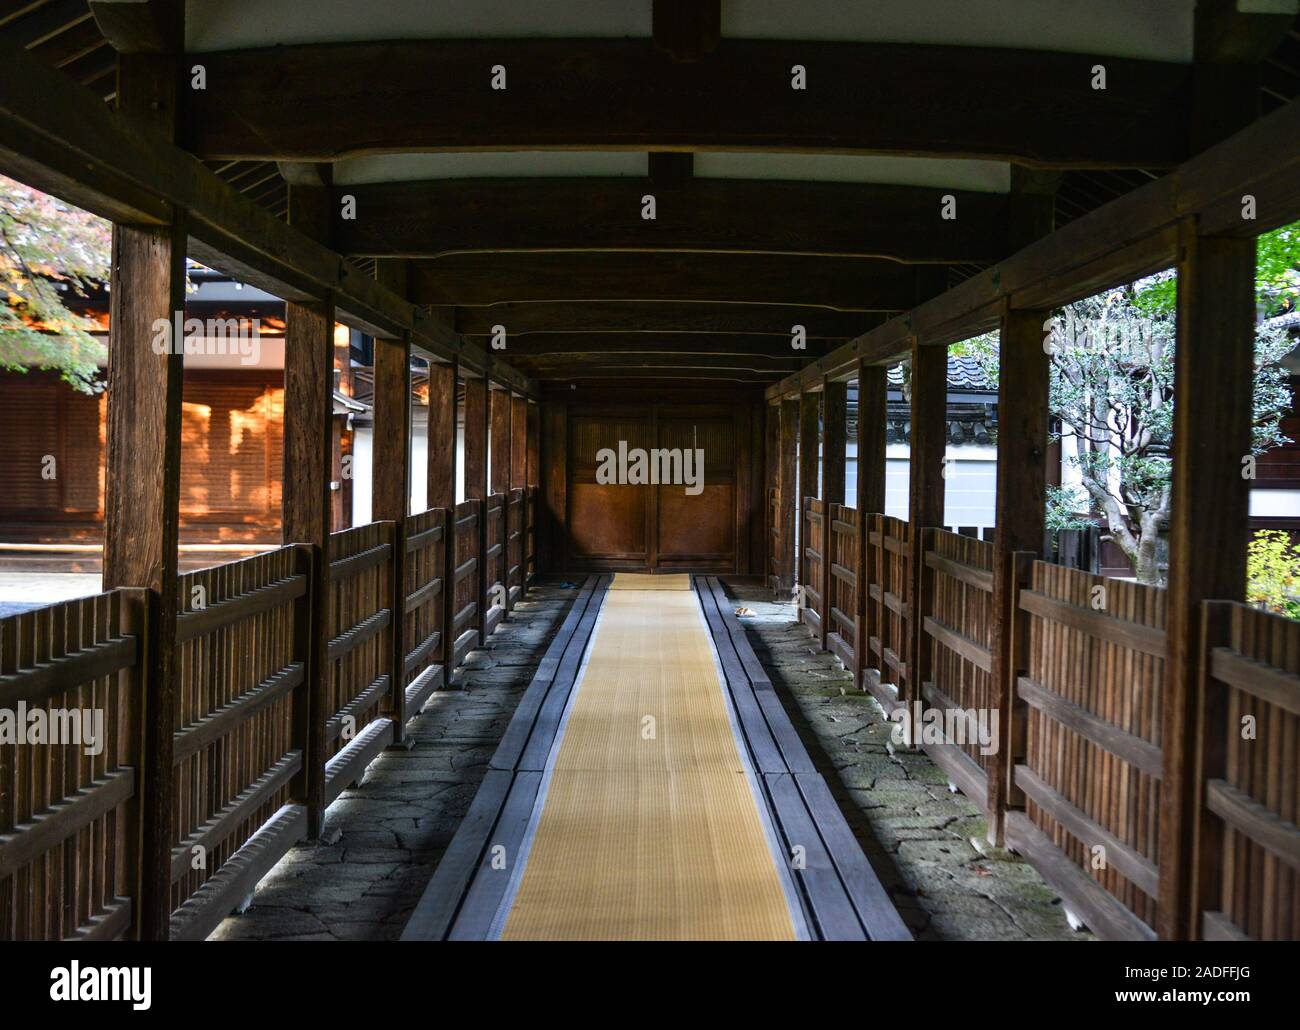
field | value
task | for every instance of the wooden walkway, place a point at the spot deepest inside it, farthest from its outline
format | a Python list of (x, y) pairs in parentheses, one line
[(831, 891)]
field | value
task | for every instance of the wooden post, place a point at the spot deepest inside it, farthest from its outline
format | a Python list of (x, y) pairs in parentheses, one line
[(518, 481), (532, 480), (809, 461), (502, 463), (142, 468), (925, 493), (476, 480), (1023, 371), (441, 491), (1208, 526), (771, 482), (789, 504), (391, 481), (872, 402), (835, 398), (308, 452)]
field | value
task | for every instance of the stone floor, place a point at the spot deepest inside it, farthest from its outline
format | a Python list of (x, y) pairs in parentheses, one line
[(926, 843), (383, 838)]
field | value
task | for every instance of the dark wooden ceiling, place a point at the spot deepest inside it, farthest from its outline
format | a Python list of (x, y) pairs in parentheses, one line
[(732, 266)]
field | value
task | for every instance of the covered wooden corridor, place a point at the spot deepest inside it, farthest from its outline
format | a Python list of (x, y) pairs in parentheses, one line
[(641, 254)]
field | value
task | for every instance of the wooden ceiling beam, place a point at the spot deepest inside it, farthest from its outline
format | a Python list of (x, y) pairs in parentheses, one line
[(840, 284), (1032, 107), (550, 345), (141, 26), (631, 317), (686, 30), (905, 223)]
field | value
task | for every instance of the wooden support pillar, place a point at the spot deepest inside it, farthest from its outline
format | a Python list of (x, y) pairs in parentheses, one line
[(500, 413), (1209, 526), (306, 501), (141, 508), (476, 480), (809, 461), (518, 442), (1023, 377), (391, 480), (872, 404), (835, 428), (518, 474), (501, 440), (925, 493), (788, 495), (533, 471), (441, 492), (143, 464)]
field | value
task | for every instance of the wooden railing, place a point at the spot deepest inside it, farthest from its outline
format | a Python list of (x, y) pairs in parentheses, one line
[(250, 713), (70, 799), (956, 662), (888, 613), (1091, 702), (462, 629), (240, 775), (841, 577), (530, 536), (516, 532), (494, 557), (775, 555), (1247, 853), (424, 660), (812, 541), (360, 687)]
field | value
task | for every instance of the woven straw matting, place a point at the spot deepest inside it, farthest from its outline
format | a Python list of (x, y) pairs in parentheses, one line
[(658, 838)]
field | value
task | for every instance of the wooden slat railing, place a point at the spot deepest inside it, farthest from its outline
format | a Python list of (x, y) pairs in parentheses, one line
[(359, 689), (1091, 699), (424, 632), (494, 555), (530, 536), (888, 612), (462, 627), (240, 732), (957, 623), (812, 540), (69, 799), (842, 583), (515, 533), (1248, 838), (775, 560)]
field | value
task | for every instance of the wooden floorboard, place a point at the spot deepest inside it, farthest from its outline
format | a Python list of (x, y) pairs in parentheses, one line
[(840, 889), (497, 863), (515, 740)]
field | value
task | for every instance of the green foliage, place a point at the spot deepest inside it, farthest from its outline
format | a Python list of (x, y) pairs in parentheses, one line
[(48, 248), (1063, 506), (1273, 573), (1112, 393)]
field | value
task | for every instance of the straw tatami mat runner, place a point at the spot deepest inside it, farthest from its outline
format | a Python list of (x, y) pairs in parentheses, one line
[(649, 828)]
